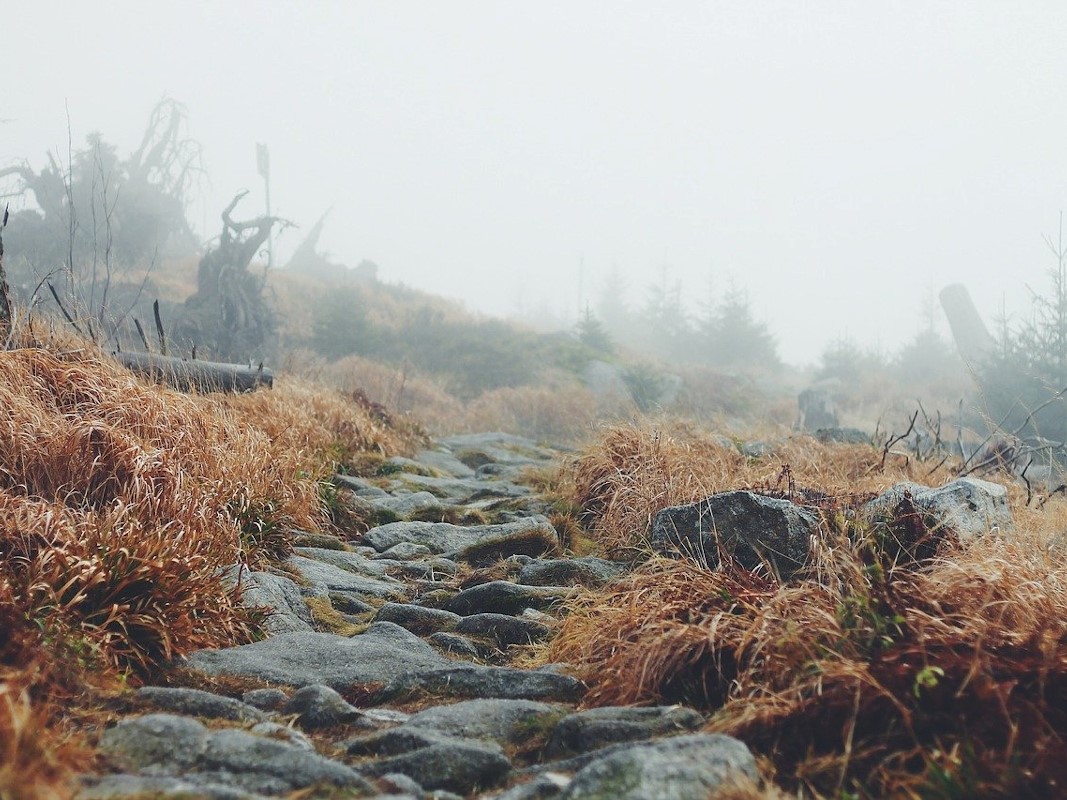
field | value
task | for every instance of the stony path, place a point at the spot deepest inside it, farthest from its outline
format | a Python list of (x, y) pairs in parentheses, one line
[(386, 672)]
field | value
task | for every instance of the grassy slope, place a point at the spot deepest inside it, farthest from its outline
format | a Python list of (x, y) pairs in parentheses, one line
[(119, 504), (874, 675)]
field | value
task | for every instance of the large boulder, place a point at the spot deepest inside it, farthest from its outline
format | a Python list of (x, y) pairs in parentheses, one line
[(967, 507), (755, 530), (688, 767)]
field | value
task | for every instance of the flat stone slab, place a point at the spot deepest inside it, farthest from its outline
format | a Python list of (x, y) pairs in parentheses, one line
[(475, 681), (335, 579), (197, 703), (356, 563), (504, 597), (417, 619), (503, 629), (445, 538), (594, 728), (379, 655), (681, 768), (453, 765), (589, 571), (168, 745), (500, 721)]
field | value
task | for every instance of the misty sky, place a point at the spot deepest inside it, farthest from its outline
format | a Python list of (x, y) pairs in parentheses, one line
[(838, 160)]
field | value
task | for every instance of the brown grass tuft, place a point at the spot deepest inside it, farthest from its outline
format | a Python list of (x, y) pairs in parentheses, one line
[(943, 678)]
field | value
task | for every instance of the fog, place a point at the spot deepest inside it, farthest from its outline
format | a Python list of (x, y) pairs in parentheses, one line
[(837, 160)]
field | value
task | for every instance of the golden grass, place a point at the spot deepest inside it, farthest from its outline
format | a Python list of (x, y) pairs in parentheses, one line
[(120, 505), (869, 675)]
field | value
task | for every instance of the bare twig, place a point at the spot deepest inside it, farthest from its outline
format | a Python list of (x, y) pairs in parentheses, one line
[(894, 439), (159, 328)]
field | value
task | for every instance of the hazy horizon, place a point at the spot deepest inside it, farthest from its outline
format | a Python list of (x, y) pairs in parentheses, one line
[(838, 161)]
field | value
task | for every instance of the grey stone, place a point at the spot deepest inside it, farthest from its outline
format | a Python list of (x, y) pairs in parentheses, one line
[(584, 731), (444, 462), (503, 448), (361, 487), (410, 506), (353, 562), (396, 464), (113, 787), (282, 733), (503, 629), (165, 743), (392, 742), (406, 551), (397, 782), (336, 579), (470, 681), (318, 706), (279, 596), (504, 597), (350, 603), (501, 721), (459, 491), (587, 571), (533, 533), (455, 644), (967, 507), (755, 529), (546, 786), (454, 765), (843, 436), (197, 703), (417, 619), (378, 655), (265, 699), (271, 767), (681, 768)]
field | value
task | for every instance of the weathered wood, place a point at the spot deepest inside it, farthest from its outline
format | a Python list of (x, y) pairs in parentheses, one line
[(972, 337), (203, 376)]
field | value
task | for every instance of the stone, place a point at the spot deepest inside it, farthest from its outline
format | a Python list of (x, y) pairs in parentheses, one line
[(379, 655), (335, 579), (585, 731), (445, 463), (504, 597), (455, 644), (532, 533), (588, 571), (503, 629), (360, 487), (169, 745), (546, 786), (417, 619), (272, 767), (278, 595), (265, 699), (396, 464), (755, 529), (114, 787), (501, 721), (318, 706), (843, 436), (197, 703), (406, 551), (680, 768), (471, 681), (356, 563), (451, 764), (966, 507)]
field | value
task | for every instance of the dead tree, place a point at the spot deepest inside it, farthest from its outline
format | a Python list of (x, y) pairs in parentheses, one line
[(228, 316), (5, 295)]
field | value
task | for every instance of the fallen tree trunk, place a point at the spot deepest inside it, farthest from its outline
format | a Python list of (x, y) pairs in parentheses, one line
[(203, 376)]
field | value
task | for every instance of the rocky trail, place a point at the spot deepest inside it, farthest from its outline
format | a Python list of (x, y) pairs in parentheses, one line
[(389, 669)]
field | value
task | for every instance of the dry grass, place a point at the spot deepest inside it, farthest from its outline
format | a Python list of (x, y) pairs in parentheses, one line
[(631, 472), (872, 675), (120, 502)]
